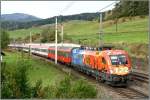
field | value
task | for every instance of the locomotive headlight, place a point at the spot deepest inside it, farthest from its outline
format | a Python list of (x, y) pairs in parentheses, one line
[(111, 71), (126, 69)]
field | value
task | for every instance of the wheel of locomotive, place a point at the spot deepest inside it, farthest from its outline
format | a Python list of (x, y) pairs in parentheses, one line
[(100, 79)]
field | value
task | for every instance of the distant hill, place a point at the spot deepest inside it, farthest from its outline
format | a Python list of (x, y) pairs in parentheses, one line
[(11, 25), (19, 17), (122, 9)]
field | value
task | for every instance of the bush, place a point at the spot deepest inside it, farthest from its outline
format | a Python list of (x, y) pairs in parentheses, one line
[(15, 84), (21, 80), (4, 39), (38, 91), (81, 89), (123, 20), (48, 35), (63, 89)]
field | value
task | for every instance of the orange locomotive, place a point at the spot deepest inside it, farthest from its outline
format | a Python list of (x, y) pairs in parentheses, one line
[(111, 66)]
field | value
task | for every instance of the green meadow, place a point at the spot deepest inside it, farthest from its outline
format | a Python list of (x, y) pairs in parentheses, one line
[(39, 70), (128, 31)]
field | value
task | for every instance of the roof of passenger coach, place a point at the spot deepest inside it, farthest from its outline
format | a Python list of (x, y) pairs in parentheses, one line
[(66, 49), (40, 47)]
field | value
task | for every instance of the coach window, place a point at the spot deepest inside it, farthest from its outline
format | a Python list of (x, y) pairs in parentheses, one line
[(66, 54), (103, 60), (59, 53)]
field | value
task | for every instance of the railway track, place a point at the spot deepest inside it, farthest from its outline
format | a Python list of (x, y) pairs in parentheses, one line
[(140, 77), (124, 92), (130, 93)]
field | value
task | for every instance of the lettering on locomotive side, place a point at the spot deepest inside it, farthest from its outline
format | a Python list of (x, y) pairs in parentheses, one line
[(121, 70)]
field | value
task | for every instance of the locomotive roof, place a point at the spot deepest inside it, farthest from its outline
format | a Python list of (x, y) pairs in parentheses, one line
[(114, 52)]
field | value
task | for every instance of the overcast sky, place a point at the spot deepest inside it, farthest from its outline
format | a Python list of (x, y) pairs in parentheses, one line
[(45, 9)]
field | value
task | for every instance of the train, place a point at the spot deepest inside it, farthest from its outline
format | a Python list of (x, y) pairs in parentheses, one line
[(104, 64)]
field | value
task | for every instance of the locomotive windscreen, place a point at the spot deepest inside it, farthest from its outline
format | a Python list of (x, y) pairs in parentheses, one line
[(118, 59)]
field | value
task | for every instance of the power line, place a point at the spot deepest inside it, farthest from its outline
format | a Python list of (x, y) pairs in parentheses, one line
[(107, 6), (100, 24), (67, 7)]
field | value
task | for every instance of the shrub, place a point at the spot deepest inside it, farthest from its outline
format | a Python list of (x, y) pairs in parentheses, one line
[(123, 20), (63, 89), (5, 40), (81, 89), (15, 84), (21, 80), (37, 91)]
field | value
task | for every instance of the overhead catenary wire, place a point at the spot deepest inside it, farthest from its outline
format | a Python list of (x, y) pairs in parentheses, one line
[(107, 6), (100, 23), (69, 5)]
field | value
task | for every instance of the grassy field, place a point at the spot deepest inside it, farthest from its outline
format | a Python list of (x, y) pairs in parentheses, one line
[(129, 31), (24, 32), (39, 70)]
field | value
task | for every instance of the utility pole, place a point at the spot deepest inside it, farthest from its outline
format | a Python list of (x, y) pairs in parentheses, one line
[(56, 40), (30, 44), (14, 43), (40, 39), (149, 40), (62, 33), (116, 21), (101, 31), (30, 37)]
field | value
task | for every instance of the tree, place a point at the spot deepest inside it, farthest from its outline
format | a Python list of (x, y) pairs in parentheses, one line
[(48, 35), (129, 8), (4, 39)]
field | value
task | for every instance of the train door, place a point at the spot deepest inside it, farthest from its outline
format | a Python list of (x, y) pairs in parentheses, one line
[(104, 64)]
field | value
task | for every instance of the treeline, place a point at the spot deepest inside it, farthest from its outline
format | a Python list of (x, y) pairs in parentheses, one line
[(19, 25), (122, 9), (129, 9)]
